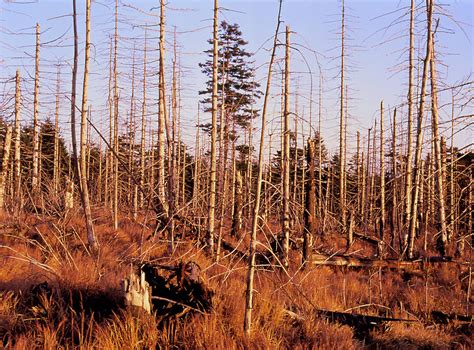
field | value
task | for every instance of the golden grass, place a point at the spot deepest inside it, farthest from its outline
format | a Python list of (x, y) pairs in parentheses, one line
[(45, 249)]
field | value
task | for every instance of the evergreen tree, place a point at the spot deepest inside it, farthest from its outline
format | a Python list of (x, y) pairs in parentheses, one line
[(235, 78)]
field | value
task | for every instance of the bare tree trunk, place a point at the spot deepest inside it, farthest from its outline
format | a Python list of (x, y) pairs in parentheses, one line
[(408, 181), (358, 182), (131, 136), (394, 214), (56, 138), (342, 132), (17, 186), (213, 177), (320, 150), (441, 243), (108, 154), (143, 129), (309, 213), (419, 136), (197, 159), (327, 201), (371, 197), (285, 218), (4, 165), (35, 185), (91, 238), (366, 183), (256, 208), (115, 162), (382, 181)]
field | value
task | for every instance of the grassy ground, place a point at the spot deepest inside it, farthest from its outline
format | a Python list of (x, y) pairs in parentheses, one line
[(83, 307)]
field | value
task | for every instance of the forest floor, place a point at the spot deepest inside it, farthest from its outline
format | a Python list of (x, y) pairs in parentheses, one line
[(81, 306)]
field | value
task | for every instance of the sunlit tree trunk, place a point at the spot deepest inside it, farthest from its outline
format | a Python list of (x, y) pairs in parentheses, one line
[(56, 162), (35, 185), (143, 128), (285, 218), (4, 165), (309, 213), (408, 180), (419, 136), (394, 213), (17, 162), (342, 131), (213, 174), (91, 238), (256, 209), (115, 161), (382, 181), (443, 237)]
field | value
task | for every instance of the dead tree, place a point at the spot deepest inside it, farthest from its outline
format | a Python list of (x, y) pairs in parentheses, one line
[(143, 128), (394, 212), (419, 137), (56, 162), (443, 236), (84, 187), (17, 161), (310, 203), (285, 217), (256, 208), (4, 165), (213, 177), (115, 161), (342, 132), (382, 181), (35, 185), (411, 68)]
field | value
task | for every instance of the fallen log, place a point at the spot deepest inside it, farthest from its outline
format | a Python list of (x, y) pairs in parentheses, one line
[(392, 264), (368, 239), (364, 324)]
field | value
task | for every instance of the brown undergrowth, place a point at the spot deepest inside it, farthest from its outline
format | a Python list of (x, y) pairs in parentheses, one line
[(55, 294)]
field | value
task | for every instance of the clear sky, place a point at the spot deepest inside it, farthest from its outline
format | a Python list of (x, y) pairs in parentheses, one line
[(376, 48)]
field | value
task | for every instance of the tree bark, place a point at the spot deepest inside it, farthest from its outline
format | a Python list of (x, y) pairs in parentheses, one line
[(256, 208), (17, 164), (4, 165), (419, 136), (285, 218), (213, 177), (441, 243), (35, 185)]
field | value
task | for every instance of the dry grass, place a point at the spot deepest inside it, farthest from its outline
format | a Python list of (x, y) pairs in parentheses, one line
[(84, 309)]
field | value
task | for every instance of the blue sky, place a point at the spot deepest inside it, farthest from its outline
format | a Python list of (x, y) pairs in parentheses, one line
[(375, 54)]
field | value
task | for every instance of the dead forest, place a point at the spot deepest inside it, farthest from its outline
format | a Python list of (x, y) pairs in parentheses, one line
[(130, 219)]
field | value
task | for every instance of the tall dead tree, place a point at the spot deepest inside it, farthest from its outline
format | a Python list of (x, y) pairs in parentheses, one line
[(56, 162), (409, 248), (84, 187), (443, 236), (411, 68), (342, 131), (394, 212), (35, 176), (382, 181), (80, 169), (114, 161), (310, 203), (143, 127), (285, 217), (213, 175), (17, 161), (256, 207)]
